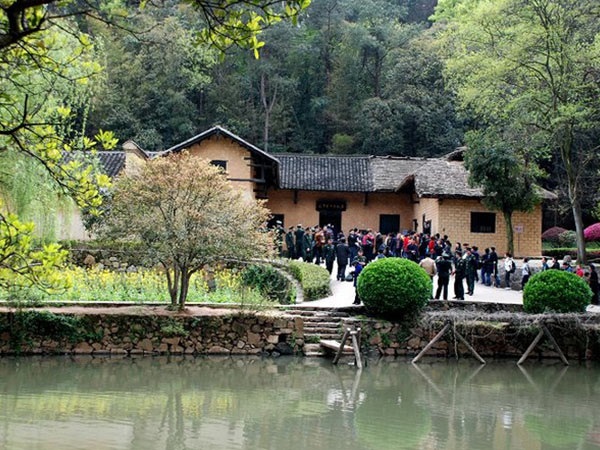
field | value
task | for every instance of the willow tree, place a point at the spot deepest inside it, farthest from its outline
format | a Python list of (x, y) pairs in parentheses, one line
[(531, 67), (186, 215), (45, 58)]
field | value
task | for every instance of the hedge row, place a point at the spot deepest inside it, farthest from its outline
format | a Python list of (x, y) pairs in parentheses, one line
[(559, 253), (313, 279)]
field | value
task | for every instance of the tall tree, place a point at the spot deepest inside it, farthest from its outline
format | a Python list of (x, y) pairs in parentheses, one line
[(504, 174), (186, 214), (531, 66)]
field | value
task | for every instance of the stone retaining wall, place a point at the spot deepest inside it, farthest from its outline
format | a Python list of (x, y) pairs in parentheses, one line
[(497, 339), (236, 334)]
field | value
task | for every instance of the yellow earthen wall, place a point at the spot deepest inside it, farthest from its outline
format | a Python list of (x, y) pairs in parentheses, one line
[(357, 214), (429, 207), (221, 148), (455, 221)]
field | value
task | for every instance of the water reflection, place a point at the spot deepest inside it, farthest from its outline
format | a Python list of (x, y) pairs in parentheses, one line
[(225, 403)]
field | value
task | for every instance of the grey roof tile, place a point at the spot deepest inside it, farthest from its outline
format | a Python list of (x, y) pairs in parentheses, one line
[(325, 173)]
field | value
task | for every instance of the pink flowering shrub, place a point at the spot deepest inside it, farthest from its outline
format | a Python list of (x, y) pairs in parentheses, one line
[(592, 233)]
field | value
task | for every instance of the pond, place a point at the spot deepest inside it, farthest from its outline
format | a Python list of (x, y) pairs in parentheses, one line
[(290, 403)]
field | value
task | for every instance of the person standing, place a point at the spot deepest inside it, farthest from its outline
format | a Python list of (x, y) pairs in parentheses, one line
[(428, 264), (342, 253), (368, 241), (471, 270), (545, 265), (358, 267), (307, 245), (494, 259), (509, 268), (299, 234), (352, 244), (487, 267), (319, 242), (459, 275), (290, 244), (329, 255), (444, 267), (525, 273)]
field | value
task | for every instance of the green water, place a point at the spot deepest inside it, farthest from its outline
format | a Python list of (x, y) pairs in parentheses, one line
[(225, 403)]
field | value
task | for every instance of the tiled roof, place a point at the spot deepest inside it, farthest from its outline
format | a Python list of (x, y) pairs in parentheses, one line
[(389, 172), (217, 131), (325, 173), (443, 178), (112, 162)]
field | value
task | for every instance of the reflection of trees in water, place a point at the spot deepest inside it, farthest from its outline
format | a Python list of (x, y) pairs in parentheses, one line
[(496, 401), (181, 403)]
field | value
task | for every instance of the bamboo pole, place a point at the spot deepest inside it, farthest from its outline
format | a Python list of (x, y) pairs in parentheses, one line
[(433, 341), (469, 346), (357, 358), (531, 347), (338, 355), (555, 344)]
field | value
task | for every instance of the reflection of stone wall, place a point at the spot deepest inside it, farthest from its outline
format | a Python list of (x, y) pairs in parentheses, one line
[(235, 334), (506, 338)]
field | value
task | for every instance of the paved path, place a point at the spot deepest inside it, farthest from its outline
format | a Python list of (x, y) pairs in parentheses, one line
[(343, 294)]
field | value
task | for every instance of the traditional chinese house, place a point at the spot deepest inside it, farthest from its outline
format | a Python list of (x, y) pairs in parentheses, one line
[(386, 194)]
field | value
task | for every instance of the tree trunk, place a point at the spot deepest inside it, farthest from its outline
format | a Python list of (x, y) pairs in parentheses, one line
[(184, 288), (510, 241), (172, 283), (577, 216)]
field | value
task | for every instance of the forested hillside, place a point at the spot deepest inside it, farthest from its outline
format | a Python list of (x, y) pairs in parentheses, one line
[(353, 76)]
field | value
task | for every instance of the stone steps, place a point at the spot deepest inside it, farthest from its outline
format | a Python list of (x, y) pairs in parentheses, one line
[(320, 324)]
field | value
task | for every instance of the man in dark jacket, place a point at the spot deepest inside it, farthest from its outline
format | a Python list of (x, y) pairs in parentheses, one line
[(459, 275), (290, 244), (299, 233), (342, 253), (444, 267), (329, 255)]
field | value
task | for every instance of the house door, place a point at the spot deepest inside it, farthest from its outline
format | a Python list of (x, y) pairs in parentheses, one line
[(333, 217)]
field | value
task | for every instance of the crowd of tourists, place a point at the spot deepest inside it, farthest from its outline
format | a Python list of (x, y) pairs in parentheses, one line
[(434, 253)]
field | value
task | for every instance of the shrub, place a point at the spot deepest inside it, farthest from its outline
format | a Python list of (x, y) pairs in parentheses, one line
[(394, 287), (560, 252), (592, 233), (556, 291), (313, 279), (567, 239), (270, 282), (552, 234)]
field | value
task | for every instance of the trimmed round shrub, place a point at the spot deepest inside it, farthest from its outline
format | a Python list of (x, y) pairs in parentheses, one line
[(592, 233), (552, 234), (556, 291), (394, 287)]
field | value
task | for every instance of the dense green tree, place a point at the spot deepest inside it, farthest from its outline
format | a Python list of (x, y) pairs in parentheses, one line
[(532, 67), (504, 174)]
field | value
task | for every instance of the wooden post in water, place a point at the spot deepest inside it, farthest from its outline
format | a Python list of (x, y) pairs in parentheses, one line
[(439, 336), (546, 331)]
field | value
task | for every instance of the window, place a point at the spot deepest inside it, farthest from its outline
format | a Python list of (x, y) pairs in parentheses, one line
[(219, 163), (389, 223), (483, 222)]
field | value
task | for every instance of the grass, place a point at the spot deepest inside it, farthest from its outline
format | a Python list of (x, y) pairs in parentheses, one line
[(92, 285)]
